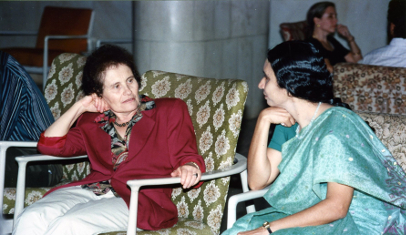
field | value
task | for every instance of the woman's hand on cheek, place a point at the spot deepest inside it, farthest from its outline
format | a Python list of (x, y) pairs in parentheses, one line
[(93, 103), (276, 115), (258, 231)]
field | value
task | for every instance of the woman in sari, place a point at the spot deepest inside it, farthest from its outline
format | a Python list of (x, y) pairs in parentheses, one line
[(334, 176)]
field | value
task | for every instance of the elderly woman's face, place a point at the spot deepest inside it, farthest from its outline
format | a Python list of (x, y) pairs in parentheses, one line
[(120, 89)]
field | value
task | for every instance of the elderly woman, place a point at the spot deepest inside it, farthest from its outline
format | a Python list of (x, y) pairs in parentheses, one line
[(126, 136), (334, 176), (322, 24)]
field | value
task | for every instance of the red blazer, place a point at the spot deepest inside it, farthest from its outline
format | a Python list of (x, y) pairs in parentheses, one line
[(160, 142)]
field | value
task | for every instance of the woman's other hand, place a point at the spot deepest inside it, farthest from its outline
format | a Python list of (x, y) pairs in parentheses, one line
[(343, 31), (93, 103), (189, 175), (258, 231)]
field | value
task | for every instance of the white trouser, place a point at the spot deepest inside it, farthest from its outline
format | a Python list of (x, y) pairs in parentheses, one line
[(73, 211)]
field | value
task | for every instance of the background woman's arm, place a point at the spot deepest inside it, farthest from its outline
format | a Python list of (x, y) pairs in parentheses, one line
[(355, 54)]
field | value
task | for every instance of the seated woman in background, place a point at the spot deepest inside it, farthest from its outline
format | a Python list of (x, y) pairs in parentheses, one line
[(334, 176), (126, 136), (322, 24)]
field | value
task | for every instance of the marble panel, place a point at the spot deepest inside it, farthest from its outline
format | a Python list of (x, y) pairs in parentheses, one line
[(229, 61), (203, 20), (248, 16), (213, 58), (178, 57), (142, 56), (222, 19)]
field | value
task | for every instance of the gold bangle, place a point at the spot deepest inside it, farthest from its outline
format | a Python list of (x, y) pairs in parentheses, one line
[(356, 53), (193, 164)]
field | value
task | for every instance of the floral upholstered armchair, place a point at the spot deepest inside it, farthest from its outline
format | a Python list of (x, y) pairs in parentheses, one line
[(371, 88), (216, 107)]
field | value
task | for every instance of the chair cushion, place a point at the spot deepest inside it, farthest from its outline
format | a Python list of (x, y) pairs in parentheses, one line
[(293, 31), (378, 89)]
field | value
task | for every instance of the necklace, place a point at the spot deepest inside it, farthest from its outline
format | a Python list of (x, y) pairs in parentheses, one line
[(123, 124), (311, 121)]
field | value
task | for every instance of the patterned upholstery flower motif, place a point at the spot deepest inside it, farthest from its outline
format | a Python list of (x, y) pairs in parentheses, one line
[(189, 106), (79, 96), (5, 207), (218, 93), (143, 82), (198, 212), (218, 117), (185, 231), (183, 90), (209, 162), (51, 71), (176, 192), (400, 152), (10, 193), (193, 193), (206, 140), (81, 61), (194, 224), (211, 193), (203, 92), (78, 79), (183, 209), (160, 88), (65, 74), (203, 114), (222, 144), (56, 111), (214, 218), (67, 95), (65, 57), (50, 91), (33, 197), (235, 123), (232, 97)]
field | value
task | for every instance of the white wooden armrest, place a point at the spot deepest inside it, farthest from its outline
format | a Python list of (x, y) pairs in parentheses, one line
[(135, 186), (22, 165), (242, 197)]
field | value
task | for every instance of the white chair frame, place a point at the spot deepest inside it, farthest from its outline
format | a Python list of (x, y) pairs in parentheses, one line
[(238, 168)]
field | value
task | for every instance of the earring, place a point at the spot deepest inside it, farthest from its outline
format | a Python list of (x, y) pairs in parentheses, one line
[(318, 26)]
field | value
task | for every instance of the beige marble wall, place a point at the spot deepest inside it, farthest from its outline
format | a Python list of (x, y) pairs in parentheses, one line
[(220, 39)]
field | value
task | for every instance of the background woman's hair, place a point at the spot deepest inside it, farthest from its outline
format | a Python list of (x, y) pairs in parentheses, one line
[(316, 10), (99, 61)]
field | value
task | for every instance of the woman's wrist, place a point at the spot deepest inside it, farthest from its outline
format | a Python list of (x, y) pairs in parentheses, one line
[(194, 164), (351, 39)]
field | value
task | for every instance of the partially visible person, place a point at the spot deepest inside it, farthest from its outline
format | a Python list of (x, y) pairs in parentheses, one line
[(24, 115), (394, 54), (322, 24), (126, 136), (334, 176)]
